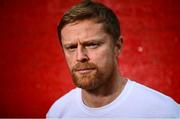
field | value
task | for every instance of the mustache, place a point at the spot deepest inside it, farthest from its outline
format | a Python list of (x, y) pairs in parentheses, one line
[(82, 66)]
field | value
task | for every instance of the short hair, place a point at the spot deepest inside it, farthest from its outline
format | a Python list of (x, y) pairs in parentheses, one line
[(91, 10)]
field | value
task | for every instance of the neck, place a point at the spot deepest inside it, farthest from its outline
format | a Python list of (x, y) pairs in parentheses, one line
[(106, 93)]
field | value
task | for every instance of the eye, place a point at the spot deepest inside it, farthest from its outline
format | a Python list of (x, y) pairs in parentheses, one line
[(92, 45), (71, 48)]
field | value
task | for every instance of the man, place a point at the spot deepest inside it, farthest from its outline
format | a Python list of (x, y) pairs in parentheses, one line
[(91, 39)]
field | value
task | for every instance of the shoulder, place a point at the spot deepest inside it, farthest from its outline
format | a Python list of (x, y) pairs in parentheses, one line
[(60, 105), (154, 99)]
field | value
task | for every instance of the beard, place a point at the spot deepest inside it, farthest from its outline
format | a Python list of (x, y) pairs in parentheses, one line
[(91, 80)]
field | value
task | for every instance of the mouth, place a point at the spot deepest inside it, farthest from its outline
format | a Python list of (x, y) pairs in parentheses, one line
[(85, 70)]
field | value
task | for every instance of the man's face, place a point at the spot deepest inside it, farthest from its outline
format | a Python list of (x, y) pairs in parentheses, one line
[(90, 53)]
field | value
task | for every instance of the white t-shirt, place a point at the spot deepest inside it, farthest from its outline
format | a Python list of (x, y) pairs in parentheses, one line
[(135, 101)]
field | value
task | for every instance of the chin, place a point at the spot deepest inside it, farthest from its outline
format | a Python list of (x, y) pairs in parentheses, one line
[(87, 83)]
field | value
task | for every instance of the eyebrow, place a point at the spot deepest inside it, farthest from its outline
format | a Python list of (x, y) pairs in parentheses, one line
[(69, 45), (91, 41), (84, 43)]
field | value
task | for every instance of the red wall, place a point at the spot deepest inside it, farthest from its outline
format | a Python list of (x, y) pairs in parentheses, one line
[(33, 72)]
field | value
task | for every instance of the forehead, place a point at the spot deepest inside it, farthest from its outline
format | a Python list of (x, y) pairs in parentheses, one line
[(87, 29)]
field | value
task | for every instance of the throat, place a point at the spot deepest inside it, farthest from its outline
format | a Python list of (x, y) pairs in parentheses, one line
[(104, 95)]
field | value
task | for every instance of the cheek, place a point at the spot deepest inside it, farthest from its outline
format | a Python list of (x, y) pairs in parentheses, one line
[(69, 59), (103, 59)]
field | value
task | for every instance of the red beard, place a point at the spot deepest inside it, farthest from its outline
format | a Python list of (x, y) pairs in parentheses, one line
[(88, 80)]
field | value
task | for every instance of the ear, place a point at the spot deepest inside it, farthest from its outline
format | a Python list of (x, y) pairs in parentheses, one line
[(118, 46)]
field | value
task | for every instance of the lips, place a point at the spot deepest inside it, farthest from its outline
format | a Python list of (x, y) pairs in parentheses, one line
[(85, 70), (82, 68)]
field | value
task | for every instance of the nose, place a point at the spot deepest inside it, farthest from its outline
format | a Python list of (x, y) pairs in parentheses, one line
[(81, 54)]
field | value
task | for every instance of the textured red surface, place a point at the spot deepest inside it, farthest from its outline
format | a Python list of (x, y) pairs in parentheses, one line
[(33, 72)]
